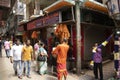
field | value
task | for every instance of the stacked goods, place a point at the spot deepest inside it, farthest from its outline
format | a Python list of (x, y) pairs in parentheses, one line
[(62, 32)]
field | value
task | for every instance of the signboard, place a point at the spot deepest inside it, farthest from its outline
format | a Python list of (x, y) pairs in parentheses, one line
[(31, 25), (5, 3), (39, 23), (20, 28), (48, 20), (51, 19), (44, 21), (113, 6)]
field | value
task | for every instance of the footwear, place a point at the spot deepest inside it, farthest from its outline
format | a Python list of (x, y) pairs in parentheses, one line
[(20, 77), (15, 73), (37, 72), (28, 76), (24, 73)]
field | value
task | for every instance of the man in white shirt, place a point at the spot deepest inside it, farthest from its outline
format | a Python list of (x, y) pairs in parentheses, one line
[(15, 58)]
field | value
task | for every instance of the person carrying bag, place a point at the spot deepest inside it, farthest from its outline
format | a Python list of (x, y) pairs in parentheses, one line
[(42, 59)]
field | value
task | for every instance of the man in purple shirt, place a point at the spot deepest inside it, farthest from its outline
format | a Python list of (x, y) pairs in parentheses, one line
[(97, 58)]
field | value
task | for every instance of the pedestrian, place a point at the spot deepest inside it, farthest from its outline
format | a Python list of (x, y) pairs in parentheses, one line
[(36, 51), (61, 54), (15, 58), (27, 57), (42, 63), (97, 58), (7, 47)]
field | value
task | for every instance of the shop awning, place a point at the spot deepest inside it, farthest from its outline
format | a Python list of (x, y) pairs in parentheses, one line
[(96, 6), (22, 22), (59, 4)]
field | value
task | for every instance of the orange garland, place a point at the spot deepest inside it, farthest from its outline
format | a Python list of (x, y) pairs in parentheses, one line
[(34, 35), (62, 32)]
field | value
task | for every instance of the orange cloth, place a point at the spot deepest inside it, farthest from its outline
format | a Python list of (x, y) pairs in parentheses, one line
[(62, 32), (61, 52), (27, 52), (34, 35), (65, 32), (62, 71)]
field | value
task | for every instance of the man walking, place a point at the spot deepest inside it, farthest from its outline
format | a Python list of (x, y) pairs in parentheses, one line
[(15, 58), (27, 55), (61, 53)]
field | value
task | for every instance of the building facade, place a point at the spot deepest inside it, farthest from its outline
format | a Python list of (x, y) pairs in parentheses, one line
[(96, 25)]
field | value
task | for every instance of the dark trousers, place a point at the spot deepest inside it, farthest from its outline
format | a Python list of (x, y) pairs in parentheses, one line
[(98, 66)]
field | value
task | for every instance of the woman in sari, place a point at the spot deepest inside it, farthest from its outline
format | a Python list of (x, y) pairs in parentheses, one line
[(36, 51), (42, 64)]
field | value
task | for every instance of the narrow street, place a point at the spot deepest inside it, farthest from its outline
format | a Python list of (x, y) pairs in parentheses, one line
[(7, 73), (83, 25)]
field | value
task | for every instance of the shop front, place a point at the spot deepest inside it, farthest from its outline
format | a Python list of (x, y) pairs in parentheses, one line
[(47, 25), (95, 27), (42, 27)]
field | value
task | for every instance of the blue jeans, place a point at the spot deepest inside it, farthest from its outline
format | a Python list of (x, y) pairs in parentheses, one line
[(27, 66), (19, 70), (7, 52)]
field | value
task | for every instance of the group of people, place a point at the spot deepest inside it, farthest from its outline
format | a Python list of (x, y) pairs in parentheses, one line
[(22, 55)]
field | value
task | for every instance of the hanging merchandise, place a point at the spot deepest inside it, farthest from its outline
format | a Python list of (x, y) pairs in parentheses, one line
[(34, 35), (62, 32), (65, 32), (58, 30), (24, 36)]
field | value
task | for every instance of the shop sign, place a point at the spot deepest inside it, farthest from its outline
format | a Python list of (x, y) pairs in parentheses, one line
[(48, 20), (5, 3), (44, 21), (31, 25), (20, 28), (51, 19), (39, 23)]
